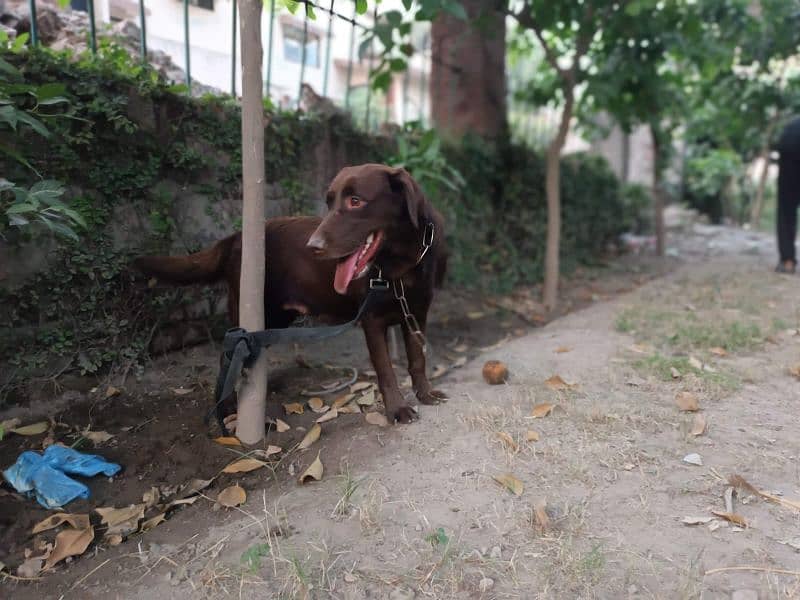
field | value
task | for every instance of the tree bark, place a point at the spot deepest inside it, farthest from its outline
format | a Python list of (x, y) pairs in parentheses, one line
[(253, 393), (658, 197), (758, 203), (553, 192), (468, 84)]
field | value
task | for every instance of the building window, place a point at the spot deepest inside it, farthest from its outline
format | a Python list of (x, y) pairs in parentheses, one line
[(293, 46)]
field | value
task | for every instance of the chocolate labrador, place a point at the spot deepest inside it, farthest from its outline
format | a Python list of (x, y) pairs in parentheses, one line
[(379, 228)]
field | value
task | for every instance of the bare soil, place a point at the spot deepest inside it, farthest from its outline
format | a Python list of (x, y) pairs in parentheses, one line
[(416, 511)]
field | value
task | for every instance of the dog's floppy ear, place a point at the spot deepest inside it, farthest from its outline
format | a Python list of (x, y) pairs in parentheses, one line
[(402, 182)]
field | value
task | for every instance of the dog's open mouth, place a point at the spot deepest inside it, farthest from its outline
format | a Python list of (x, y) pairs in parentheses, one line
[(358, 263)]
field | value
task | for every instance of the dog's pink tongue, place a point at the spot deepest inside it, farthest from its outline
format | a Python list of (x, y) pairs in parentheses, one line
[(345, 271)]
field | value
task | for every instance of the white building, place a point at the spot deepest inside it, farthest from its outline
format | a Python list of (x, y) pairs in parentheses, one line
[(330, 42)]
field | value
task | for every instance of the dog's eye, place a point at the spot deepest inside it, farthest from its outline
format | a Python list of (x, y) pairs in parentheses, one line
[(354, 202)]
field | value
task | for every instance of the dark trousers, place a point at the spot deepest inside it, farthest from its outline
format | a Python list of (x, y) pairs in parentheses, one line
[(788, 201)]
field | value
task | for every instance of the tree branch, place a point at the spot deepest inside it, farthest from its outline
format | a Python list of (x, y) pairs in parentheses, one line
[(526, 20)]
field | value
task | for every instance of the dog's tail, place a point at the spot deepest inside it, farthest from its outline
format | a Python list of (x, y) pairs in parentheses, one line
[(205, 266)]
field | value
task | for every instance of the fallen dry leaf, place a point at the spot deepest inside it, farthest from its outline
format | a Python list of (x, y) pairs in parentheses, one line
[(542, 410), (507, 440), (244, 465), (640, 349), (310, 437), (273, 450), (474, 315), (329, 416), (31, 567), (438, 371), (695, 363), (366, 399), (728, 497), (318, 405), (361, 385), (532, 436), (495, 372), (151, 497), (459, 362), (342, 400), (687, 402), (153, 521), (293, 408), (32, 429), (731, 517), (461, 348), (557, 383), (740, 482), (511, 483), (717, 351), (376, 418), (349, 409), (675, 373), (698, 425), (96, 437), (281, 426), (540, 516), (231, 496), (693, 459), (795, 371), (9, 424), (190, 488), (563, 349), (114, 539), (70, 542), (228, 441), (77, 522), (111, 391), (696, 520), (314, 471), (121, 520), (181, 391)]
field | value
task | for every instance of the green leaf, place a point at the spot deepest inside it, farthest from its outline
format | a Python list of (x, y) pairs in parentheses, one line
[(381, 80), (48, 91), (361, 6), (456, 9), (9, 69), (33, 123), (407, 4), (310, 12), (21, 207), (20, 42), (397, 65)]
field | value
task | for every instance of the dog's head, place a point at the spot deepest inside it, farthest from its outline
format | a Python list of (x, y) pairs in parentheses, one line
[(374, 214)]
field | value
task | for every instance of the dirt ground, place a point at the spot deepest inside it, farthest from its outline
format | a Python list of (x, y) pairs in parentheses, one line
[(602, 487)]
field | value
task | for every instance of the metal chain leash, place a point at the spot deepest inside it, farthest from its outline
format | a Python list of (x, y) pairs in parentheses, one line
[(411, 320)]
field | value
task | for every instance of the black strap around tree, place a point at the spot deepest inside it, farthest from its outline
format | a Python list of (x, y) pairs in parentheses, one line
[(241, 348)]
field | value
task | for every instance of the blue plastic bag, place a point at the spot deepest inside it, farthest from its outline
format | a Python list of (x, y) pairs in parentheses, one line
[(44, 475)]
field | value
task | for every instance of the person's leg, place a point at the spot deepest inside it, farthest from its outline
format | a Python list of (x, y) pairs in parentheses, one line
[(788, 195)]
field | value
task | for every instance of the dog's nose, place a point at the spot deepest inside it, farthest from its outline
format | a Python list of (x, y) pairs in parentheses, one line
[(316, 242)]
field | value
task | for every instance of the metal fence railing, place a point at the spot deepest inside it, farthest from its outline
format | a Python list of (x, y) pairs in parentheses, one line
[(368, 100)]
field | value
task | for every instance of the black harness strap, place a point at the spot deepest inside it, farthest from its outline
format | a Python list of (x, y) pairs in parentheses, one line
[(241, 348)]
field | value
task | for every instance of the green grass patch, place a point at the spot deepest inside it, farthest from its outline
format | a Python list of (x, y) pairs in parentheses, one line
[(660, 366)]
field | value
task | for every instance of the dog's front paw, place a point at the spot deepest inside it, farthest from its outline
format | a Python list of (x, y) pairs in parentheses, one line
[(406, 414), (431, 397)]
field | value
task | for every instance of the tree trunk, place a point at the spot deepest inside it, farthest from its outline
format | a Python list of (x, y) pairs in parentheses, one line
[(468, 83), (553, 192), (658, 197), (253, 393), (758, 203)]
